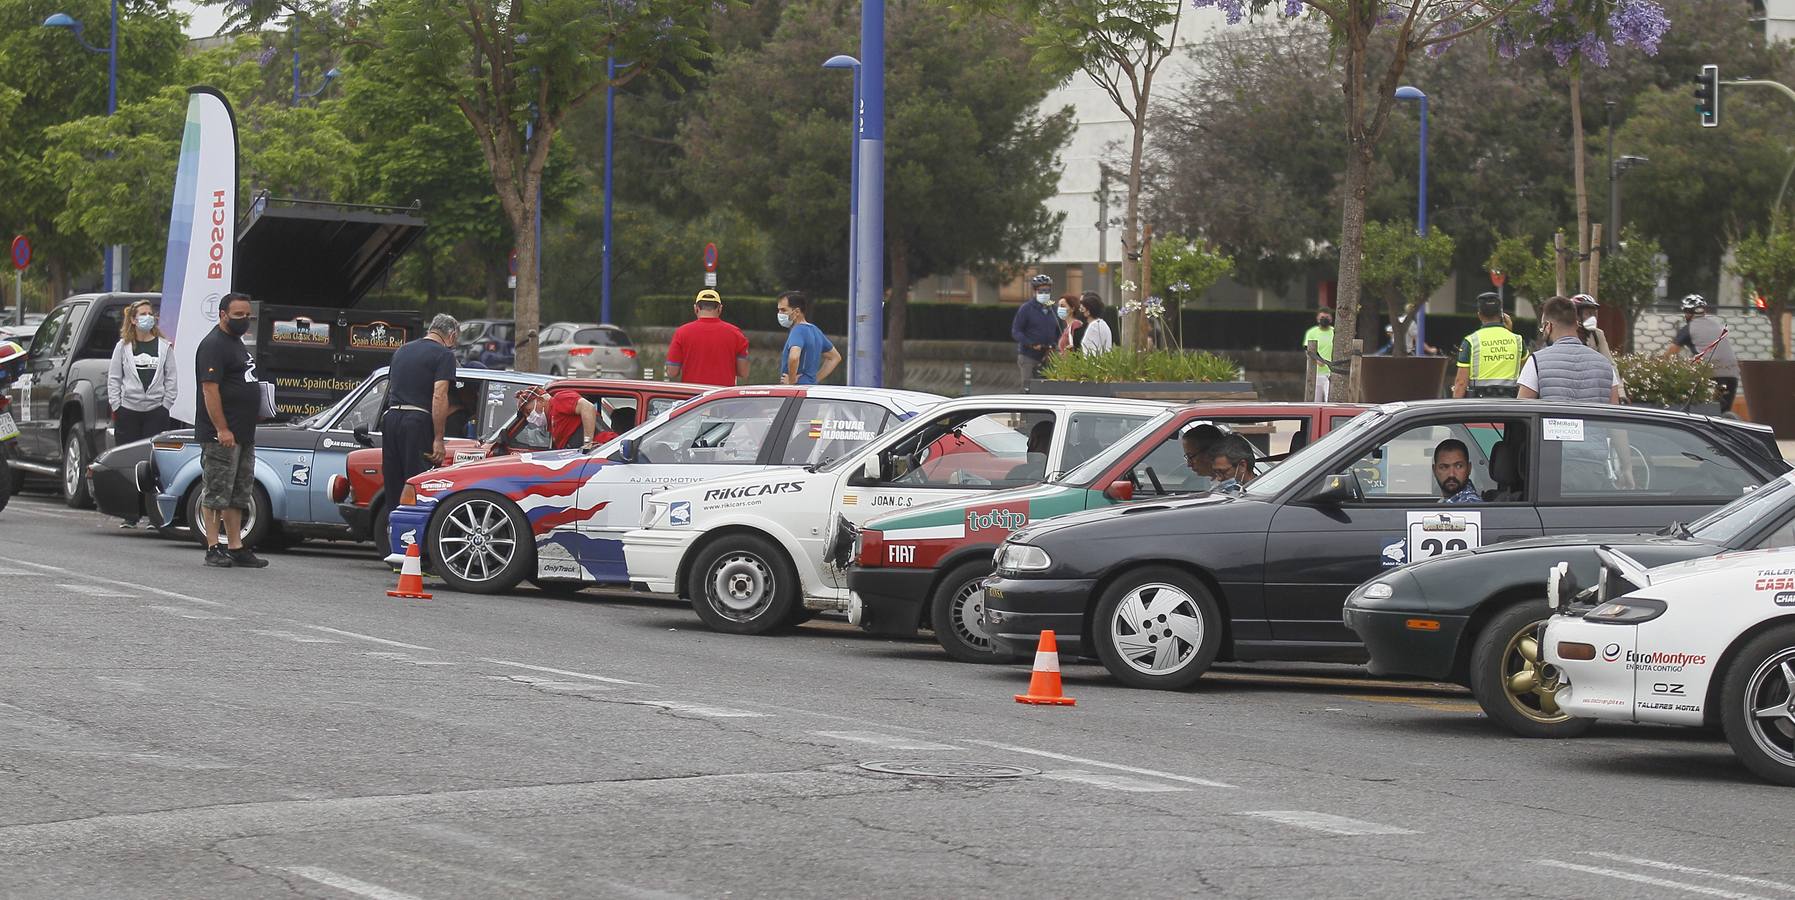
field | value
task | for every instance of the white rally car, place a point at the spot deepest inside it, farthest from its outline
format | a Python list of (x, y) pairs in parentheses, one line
[(751, 551), (1705, 642)]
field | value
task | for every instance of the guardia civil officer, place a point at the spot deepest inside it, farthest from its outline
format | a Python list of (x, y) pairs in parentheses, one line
[(1489, 359)]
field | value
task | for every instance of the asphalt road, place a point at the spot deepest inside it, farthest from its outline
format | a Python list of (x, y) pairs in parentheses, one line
[(168, 730)]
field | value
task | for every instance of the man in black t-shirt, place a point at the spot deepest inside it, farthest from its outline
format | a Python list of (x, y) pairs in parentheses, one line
[(417, 405), (226, 432)]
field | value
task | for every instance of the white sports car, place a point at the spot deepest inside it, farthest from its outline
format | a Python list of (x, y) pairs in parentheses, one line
[(1705, 642)]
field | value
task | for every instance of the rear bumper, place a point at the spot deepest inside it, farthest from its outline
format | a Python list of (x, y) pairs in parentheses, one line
[(360, 519), (1018, 610), (116, 491), (652, 557), (892, 601)]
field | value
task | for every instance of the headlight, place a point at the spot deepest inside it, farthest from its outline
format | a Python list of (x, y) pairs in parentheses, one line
[(1627, 611), (652, 512), (1378, 591), (1022, 558)]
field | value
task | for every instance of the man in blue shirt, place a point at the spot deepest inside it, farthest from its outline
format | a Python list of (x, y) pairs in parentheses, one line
[(1035, 329), (1452, 470), (808, 356)]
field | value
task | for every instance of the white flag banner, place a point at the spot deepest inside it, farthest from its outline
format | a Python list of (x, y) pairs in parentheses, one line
[(202, 234)]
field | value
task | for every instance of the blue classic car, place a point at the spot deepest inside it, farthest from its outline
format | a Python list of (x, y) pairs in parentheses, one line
[(295, 462)]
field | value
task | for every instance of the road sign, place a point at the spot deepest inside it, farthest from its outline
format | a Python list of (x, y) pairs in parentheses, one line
[(710, 258), (21, 252), (1497, 278), (513, 263)]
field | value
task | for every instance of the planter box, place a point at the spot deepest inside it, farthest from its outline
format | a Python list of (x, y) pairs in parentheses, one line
[(1392, 379), (1167, 391), (1769, 388)]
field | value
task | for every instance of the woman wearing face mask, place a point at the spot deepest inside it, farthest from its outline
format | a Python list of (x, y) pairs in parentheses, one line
[(140, 381), (1097, 338), (1070, 322)]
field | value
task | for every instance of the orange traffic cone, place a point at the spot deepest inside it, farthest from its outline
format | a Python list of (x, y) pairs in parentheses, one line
[(1044, 684), (411, 578)]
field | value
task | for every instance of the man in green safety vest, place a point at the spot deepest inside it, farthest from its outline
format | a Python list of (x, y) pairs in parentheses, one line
[(1489, 360)]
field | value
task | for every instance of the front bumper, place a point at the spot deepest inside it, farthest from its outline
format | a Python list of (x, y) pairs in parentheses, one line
[(1401, 644), (653, 555), (1017, 610), (891, 600), (407, 525), (1603, 687)]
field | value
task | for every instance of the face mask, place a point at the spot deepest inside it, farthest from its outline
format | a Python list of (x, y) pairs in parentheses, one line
[(1043, 298), (1324, 323), (537, 419), (238, 327), (785, 320), (1590, 323), (1062, 312), (146, 322)]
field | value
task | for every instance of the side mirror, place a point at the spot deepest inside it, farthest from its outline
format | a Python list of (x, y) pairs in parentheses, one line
[(362, 436), (1120, 491), (870, 473), (1337, 489), (626, 450)]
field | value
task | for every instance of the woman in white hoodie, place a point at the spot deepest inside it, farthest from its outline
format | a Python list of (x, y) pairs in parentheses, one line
[(140, 383)]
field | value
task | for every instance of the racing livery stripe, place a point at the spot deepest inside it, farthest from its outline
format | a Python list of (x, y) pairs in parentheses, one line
[(928, 533)]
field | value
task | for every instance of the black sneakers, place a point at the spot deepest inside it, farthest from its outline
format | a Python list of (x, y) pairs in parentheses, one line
[(244, 558)]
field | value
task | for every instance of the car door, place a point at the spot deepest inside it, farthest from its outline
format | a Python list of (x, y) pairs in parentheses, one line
[(46, 372), (722, 437), (307, 470), (1316, 552), (1611, 474)]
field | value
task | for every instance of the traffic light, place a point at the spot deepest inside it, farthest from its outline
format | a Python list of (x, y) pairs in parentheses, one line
[(1707, 96)]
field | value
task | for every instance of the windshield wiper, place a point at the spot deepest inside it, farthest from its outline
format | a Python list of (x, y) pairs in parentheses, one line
[(1677, 530)]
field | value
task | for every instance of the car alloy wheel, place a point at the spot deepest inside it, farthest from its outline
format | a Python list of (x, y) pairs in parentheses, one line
[(956, 610), (741, 586), (1531, 687), (1770, 707), (74, 468), (1157, 629), (968, 610), (1511, 681), (477, 541)]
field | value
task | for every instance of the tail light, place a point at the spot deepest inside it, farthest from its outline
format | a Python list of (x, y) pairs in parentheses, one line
[(579, 351), (629, 352), (339, 489), (5, 402), (872, 549)]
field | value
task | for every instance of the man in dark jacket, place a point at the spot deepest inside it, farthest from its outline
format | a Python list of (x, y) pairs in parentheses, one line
[(1035, 329), (417, 404)]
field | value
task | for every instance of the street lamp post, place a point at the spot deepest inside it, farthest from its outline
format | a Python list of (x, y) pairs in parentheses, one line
[(1616, 169), (1407, 92), (867, 366), (115, 268), (604, 288), (843, 61)]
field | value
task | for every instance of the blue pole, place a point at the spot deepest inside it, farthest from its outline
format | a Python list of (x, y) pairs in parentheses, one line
[(854, 302), (867, 366), (604, 290), (1421, 226), (295, 74)]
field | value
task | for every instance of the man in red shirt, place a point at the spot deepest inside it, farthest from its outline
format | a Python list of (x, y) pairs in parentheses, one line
[(708, 350), (563, 414)]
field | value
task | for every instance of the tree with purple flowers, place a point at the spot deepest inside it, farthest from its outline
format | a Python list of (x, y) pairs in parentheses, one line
[(1375, 40)]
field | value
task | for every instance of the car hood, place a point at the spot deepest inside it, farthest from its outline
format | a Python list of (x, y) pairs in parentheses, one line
[(1145, 513), (954, 509), (542, 465), (1781, 557), (1561, 541)]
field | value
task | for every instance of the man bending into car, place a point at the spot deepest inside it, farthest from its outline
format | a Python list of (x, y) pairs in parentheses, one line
[(1452, 470), (1230, 465)]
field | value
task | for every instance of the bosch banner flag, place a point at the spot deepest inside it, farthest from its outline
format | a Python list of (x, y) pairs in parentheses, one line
[(202, 227)]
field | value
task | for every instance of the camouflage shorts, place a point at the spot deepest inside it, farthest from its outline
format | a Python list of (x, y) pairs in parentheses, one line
[(227, 475)]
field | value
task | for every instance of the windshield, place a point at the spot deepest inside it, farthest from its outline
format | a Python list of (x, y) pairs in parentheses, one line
[(1087, 473), (1726, 525), (1303, 465)]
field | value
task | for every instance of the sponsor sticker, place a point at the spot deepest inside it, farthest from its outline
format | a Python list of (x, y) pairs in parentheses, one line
[(680, 513), (377, 335), (302, 474), (1002, 519), (1611, 653), (1669, 689), (850, 499), (1775, 580), (1663, 660), (890, 500), (754, 490), (900, 553), (840, 430), (462, 456), (300, 332), (436, 484), (1563, 430), (1603, 701), (1785, 598), (1395, 554)]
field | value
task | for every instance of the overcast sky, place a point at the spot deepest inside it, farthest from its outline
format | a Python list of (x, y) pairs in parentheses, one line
[(204, 19)]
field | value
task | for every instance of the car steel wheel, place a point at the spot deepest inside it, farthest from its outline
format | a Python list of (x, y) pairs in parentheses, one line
[(1157, 628), (477, 541), (968, 607), (1770, 707), (71, 464), (741, 586), (1531, 688)]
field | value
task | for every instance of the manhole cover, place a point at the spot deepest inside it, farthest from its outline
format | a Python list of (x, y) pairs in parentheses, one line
[(949, 769)]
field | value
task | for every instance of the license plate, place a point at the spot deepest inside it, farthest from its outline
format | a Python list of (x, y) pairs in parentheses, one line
[(8, 430)]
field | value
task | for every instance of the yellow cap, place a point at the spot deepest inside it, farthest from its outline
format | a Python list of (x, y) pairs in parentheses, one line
[(710, 295)]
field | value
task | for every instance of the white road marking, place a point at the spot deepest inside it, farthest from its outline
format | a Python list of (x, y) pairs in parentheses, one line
[(886, 741), (1112, 782), (191, 613), (295, 638), (518, 665), (369, 637), (93, 590), (1649, 879), (693, 709), (537, 681), (114, 582), (406, 658), (1691, 870), (344, 883), (1202, 782), (1302, 818)]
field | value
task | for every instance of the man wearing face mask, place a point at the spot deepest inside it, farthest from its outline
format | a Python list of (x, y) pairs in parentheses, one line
[(1230, 465), (417, 403), (1035, 329), (563, 414), (226, 432), (1323, 336), (1565, 369), (808, 356), (1591, 336)]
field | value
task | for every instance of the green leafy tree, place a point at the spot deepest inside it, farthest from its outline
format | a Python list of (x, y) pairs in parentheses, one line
[(1526, 269), (969, 165), (1630, 278), (1766, 260), (1404, 268)]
